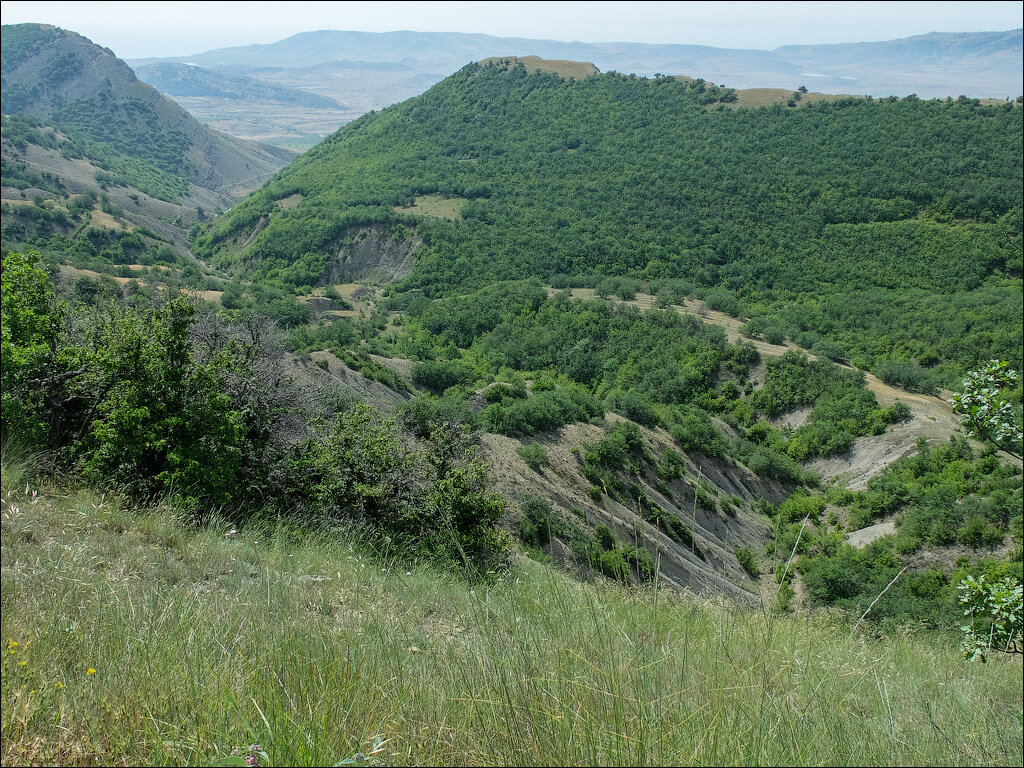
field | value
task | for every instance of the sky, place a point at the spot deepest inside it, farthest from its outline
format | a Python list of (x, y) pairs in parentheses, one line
[(152, 29)]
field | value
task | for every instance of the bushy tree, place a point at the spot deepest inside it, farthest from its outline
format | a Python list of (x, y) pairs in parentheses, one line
[(993, 611), (985, 411), (28, 332)]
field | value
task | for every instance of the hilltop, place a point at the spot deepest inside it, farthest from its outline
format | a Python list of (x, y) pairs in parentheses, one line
[(77, 120)]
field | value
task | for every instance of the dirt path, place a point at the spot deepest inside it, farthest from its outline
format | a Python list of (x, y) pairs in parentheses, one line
[(865, 536), (931, 417)]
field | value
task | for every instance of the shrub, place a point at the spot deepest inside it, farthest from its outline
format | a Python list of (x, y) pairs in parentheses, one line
[(671, 466), (439, 375), (605, 538), (541, 411), (977, 532), (433, 499), (624, 442), (534, 455), (634, 407), (746, 559), (694, 431), (537, 521), (993, 612), (906, 375)]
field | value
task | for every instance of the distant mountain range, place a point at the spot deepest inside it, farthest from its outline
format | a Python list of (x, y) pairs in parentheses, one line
[(977, 64), (369, 70), (187, 80)]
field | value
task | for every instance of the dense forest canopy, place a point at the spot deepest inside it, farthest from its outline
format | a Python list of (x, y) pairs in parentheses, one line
[(891, 226)]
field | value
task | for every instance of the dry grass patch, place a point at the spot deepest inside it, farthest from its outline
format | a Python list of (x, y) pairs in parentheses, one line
[(765, 97), (572, 70), (128, 638), (290, 202), (435, 205)]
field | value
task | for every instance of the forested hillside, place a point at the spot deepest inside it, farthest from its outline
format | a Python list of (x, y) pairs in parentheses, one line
[(77, 121), (890, 228)]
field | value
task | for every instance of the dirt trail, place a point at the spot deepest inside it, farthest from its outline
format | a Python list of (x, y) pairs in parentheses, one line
[(865, 536), (931, 417)]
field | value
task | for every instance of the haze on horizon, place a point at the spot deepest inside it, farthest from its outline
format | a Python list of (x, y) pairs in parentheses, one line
[(183, 28)]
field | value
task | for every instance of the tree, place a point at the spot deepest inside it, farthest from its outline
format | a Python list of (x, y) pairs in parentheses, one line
[(985, 412), (28, 329), (993, 615)]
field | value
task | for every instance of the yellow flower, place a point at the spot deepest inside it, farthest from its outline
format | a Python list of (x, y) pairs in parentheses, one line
[(12, 643), (22, 663), (58, 686), (90, 671)]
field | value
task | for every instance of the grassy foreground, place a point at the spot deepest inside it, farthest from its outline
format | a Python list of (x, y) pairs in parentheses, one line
[(130, 639)]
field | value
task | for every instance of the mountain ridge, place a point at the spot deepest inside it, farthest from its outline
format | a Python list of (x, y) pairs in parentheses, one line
[(76, 113)]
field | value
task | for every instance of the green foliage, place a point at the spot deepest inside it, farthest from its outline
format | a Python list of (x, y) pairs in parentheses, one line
[(622, 444), (534, 455), (671, 465), (842, 408), (746, 559), (906, 375), (890, 255), (798, 507), (541, 412), (994, 614), (439, 375), (422, 412), (159, 401), (164, 422), (126, 138), (986, 411), (940, 496), (29, 321), (537, 521), (432, 499), (694, 431)]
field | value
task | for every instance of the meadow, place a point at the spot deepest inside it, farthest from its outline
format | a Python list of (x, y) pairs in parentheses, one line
[(131, 638)]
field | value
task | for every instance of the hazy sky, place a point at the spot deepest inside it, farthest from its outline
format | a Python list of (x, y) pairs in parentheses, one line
[(144, 29)]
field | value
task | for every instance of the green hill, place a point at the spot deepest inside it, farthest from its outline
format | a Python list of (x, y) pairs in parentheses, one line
[(891, 227), (108, 115), (80, 132)]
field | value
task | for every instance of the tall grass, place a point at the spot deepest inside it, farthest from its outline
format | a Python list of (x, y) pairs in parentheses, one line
[(202, 641)]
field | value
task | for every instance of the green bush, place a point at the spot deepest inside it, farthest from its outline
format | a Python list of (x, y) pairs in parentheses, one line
[(993, 612), (432, 499), (694, 431), (534, 455), (746, 559), (537, 521), (439, 375)]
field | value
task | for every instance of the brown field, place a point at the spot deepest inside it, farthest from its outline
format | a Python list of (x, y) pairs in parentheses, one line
[(436, 206), (210, 296), (765, 97), (561, 67)]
